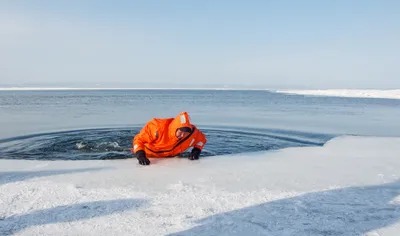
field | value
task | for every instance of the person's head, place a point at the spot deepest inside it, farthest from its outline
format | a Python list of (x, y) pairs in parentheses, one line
[(183, 132)]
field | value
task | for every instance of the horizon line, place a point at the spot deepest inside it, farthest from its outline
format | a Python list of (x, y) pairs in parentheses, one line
[(187, 88), (120, 88)]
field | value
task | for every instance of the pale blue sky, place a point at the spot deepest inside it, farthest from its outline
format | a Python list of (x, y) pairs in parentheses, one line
[(271, 44)]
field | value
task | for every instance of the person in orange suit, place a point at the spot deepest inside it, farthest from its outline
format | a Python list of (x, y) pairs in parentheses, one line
[(168, 137)]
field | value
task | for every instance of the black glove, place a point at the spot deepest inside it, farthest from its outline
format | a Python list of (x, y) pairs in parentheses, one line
[(141, 156), (194, 155)]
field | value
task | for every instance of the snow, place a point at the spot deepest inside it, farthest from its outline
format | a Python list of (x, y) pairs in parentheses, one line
[(350, 186), (362, 93)]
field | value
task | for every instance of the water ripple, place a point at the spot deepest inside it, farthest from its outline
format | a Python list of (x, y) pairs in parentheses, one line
[(115, 143)]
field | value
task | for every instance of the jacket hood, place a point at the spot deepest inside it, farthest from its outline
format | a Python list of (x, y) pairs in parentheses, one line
[(181, 120)]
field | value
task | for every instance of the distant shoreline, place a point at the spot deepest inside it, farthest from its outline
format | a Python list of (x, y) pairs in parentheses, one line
[(118, 88), (350, 93)]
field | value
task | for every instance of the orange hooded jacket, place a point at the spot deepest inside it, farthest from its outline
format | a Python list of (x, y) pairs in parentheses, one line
[(157, 138)]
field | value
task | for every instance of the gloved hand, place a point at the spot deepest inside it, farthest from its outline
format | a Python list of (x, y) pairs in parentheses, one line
[(141, 156), (194, 155)]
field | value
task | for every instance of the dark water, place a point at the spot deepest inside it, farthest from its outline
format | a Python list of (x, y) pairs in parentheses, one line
[(100, 124), (115, 143)]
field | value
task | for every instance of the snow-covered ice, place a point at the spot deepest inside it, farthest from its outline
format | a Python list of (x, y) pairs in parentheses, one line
[(350, 186), (362, 93)]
